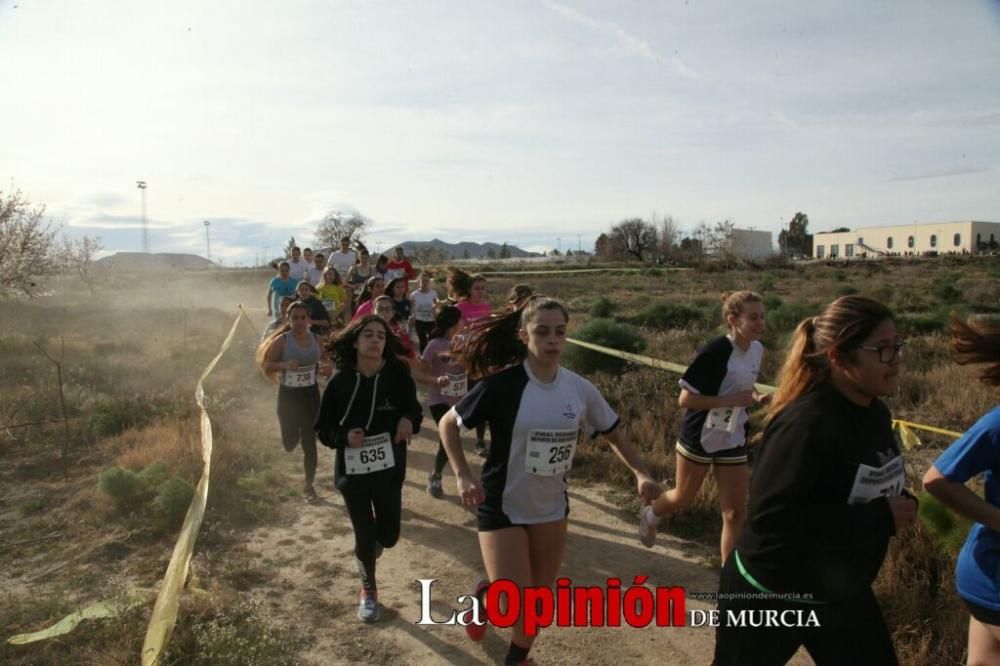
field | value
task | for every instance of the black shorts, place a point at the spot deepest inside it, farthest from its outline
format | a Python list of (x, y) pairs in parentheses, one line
[(489, 517), (694, 453), (982, 613)]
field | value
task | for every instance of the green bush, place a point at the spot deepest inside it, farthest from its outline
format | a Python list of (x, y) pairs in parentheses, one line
[(172, 500), (153, 476), (788, 316), (114, 416), (945, 291), (923, 323), (847, 290), (603, 308), (668, 315), (772, 302), (123, 486), (607, 333)]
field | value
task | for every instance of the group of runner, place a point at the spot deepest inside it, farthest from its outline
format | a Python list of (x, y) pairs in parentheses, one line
[(810, 532)]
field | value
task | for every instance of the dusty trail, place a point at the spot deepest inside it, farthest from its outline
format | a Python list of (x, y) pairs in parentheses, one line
[(316, 580)]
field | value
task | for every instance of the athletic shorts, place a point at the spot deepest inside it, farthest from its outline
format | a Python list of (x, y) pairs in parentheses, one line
[(982, 613), (695, 453), (489, 518)]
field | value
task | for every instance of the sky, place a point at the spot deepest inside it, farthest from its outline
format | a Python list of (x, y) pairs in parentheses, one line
[(532, 122)]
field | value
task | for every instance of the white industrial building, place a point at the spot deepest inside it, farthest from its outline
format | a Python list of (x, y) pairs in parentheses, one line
[(750, 244), (964, 237)]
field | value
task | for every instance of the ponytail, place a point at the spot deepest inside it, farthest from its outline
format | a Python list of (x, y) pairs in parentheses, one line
[(977, 342)]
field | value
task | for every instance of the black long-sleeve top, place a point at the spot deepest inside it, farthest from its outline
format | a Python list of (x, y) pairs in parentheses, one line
[(374, 404), (801, 534)]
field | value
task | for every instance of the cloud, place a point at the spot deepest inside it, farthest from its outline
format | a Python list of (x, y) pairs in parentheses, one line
[(108, 221), (941, 174)]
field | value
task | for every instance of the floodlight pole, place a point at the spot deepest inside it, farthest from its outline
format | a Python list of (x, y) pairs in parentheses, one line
[(208, 245), (141, 184)]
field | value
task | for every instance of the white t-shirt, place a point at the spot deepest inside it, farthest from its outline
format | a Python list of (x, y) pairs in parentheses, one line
[(343, 261), (298, 269), (314, 275), (423, 304)]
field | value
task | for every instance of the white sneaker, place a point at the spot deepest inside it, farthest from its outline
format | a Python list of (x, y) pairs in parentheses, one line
[(647, 526), (369, 610)]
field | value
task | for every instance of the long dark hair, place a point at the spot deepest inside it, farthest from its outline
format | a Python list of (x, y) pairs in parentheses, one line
[(493, 344), (447, 316), (975, 341), (344, 353), (460, 283), (843, 325), (366, 293), (391, 286), (260, 357)]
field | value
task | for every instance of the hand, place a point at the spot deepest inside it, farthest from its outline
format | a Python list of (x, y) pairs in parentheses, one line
[(442, 381), (404, 430), (649, 490), (470, 491), (355, 437), (325, 370), (763, 398), (291, 365), (904, 510), (739, 399)]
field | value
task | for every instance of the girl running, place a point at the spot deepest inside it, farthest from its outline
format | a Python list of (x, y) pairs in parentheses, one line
[(827, 494), (384, 308), (280, 286), (518, 295), (374, 287), (535, 409), (319, 318), (447, 382), (368, 414), (716, 391), (293, 356), (978, 450), (469, 294), (359, 273), (333, 295), (396, 288), (381, 266), (424, 300)]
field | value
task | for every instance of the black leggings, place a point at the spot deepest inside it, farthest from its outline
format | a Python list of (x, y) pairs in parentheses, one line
[(850, 632), (441, 459), (423, 330), (374, 503), (297, 409)]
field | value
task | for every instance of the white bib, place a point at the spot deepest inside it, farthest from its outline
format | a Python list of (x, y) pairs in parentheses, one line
[(374, 454), (456, 386), (874, 482), (329, 305), (550, 452), (424, 312), (304, 376)]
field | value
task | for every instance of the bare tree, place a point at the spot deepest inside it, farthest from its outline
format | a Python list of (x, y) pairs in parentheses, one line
[(634, 237), (27, 244), (77, 255), (341, 224), (669, 232)]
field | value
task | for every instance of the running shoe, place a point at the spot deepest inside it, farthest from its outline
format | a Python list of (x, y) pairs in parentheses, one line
[(477, 631), (434, 488), (647, 526), (481, 449), (309, 494), (369, 610)]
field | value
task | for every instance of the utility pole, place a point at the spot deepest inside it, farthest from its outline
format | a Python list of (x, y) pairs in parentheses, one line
[(579, 247), (208, 245), (141, 184)]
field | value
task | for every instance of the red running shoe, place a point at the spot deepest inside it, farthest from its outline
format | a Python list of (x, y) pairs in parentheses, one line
[(477, 631)]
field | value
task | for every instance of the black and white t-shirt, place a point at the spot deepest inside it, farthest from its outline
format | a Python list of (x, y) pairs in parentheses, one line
[(534, 428), (720, 368)]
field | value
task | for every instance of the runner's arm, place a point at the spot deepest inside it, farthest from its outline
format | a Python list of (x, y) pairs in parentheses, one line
[(957, 497), (648, 488)]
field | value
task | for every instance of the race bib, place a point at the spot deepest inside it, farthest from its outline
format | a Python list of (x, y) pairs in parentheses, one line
[(424, 312), (725, 419), (550, 452), (873, 482), (456, 386), (374, 454), (330, 305), (304, 376)]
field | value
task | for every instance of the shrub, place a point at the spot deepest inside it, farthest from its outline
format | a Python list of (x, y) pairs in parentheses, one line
[(945, 291), (668, 315), (923, 323), (122, 485), (172, 500), (788, 316), (847, 290), (113, 416), (603, 308), (154, 475), (772, 302), (607, 333)]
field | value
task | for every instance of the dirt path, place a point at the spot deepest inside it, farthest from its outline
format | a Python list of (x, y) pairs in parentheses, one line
[(316, 579)]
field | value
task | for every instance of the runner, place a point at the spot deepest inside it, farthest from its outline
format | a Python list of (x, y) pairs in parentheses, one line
[(293, 357), (827, 494), (535, 409), (469, 292), (424, 299), (381, 265), (298, 266), (279, 319), (383, 307), (278, 287), (397, 288), (368, 414), (319, 318), (446, 382), (399, 266), (344, 258), (518, 295), (716, 391), (359, 273), (374, 287), (316, 267), (978, 450), (332, 293)]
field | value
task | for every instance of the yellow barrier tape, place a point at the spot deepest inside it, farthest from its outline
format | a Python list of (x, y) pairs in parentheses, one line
[(91, 612), (905, 428), (161, 624)]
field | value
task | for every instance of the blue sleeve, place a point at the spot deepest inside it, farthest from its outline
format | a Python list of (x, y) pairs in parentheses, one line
[(976, 451), (271, 284), (477, 405)]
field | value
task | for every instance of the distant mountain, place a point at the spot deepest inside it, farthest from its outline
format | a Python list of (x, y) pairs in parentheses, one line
[(140, 261), (463, 250)]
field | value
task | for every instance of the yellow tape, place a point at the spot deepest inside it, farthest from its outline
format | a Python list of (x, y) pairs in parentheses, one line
[(91, 612), (161, 624), (939, 431)]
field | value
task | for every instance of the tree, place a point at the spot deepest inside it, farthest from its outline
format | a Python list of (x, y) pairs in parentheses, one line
[(669, 231), (491, 253), (27, 244), (720, 239), (78, 256), (428, 255), (603, 247), (634, 237), (797, 239), (555, 253), (340, 224), (505, 251), (465, 253), (289, 244)]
